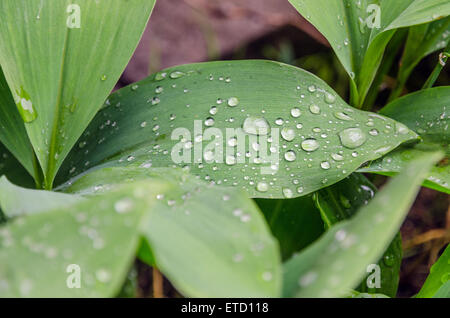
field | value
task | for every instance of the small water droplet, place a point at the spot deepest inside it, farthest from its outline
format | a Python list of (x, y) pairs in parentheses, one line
[(314, 109), (288, 134), (290, 155), (262, 186), (233, 101), (295, 112), (176, 74)]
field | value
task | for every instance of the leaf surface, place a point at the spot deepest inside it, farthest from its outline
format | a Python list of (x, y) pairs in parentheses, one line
[(329, 268), (270, 129), (60, 81)]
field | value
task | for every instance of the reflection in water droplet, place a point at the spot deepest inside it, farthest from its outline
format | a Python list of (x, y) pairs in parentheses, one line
[(288, 193), (176, 74), (314, 109), (290, 155), (295, 112), (256, 126), (310, 145), (209, 121), (25, 106), (233, 101), (325, 165), (342, 116), (373, 132), (352, 137), (262, 186), (288, 134), (330, 98)]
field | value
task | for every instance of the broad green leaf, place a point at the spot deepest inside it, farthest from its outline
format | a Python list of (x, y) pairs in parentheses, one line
[(425, 112), (422, 40), (438, 277), (329, 268), (61, 59), (295, 223), (209, 241), (15, 200), (12, 129), (11, 168), (40, 254), (340, 202), (270, 129), (359, 30), (444, 291)]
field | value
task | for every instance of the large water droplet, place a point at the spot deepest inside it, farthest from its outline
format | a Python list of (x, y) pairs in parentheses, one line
[(290, 155), (352, 137), (233, 101), (256, 126), (25, 106), (262, 186), (310, 145), (288, 134), (176, 74), (314, 109)]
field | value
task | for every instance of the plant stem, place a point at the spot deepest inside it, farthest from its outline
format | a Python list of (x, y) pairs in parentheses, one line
[(437, 70), (158, 289)]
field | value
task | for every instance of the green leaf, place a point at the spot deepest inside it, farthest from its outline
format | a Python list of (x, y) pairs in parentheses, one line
[(438, 278), (444, 291), (209, 241), (315, 138), (329, 268), (425, 112), (422, 40), (295, 223), (359, 31), (60, 81), (13, 204), (340, 202), (12, 129), (41, 253)]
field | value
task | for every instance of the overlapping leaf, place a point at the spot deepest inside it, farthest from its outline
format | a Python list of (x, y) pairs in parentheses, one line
[(294, 135), (359, 30), (90, 244), (12, 129), (438, 278), (340, 202), (209, 241), (329, 268), (60, 81), (427, 113)]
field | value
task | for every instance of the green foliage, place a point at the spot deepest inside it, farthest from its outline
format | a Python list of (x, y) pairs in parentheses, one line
[(152, 172)]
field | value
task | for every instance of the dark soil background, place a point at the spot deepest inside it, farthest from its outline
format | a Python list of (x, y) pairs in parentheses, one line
[(187, 31)]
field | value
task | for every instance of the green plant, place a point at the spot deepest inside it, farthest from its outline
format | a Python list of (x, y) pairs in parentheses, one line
[(167, 168)]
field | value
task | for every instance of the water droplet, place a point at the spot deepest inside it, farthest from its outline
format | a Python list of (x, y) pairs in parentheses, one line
[(401, 129), (311, 88), (288, 134), (176, 74), (295, 112), (310, 144), (213, 110), (337, 157), (103, 275), (25, 106), (290, 155), (209, 121), (160, 76), (262, 186), (373, 132), (325, 165), (104, 77), (352, 137), (330, 98), (288, 193), (314, 109), (233, 101), (159, 89), (134, 87), (124, 205), (342, 116), (389, 260), (256, 126), (279, 121)]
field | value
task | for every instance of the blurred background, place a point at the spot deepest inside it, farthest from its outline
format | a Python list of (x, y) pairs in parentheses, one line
[(189, 31)]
